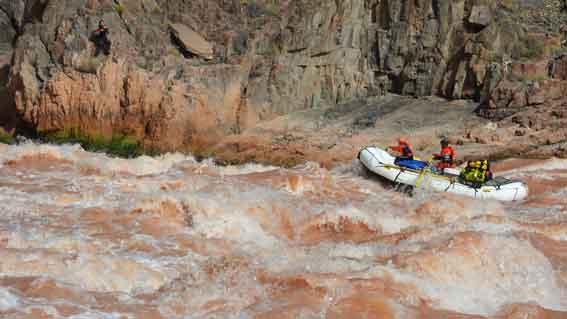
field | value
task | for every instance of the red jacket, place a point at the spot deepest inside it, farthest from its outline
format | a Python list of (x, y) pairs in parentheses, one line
[(446, 158), (101, 33)]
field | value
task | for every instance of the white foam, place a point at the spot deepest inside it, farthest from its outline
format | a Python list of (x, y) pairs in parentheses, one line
[(140, 166), (236, 227), (8, 300), (90, 271), (559, 237), (544, 165), (99, 315), (500, 271), (20, 204), (107, 165), (349, 251), (234, 170), (60, 152), (384, 221), (492, 228)]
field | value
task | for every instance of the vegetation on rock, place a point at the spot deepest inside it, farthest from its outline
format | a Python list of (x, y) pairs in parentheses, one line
[(119, 144), (6, 138)]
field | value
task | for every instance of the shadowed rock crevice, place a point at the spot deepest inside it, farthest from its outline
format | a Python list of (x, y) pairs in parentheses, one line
[(6, 109), (13, 27), (33, 11)]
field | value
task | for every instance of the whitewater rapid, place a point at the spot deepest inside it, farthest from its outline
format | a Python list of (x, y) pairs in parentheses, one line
[(85, 235)]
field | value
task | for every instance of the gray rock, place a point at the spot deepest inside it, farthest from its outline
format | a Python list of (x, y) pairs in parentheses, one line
[(192, 41), (8, 32), (480, 15)]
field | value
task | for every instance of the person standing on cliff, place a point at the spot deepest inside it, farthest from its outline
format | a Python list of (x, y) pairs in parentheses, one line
[(100, 39)]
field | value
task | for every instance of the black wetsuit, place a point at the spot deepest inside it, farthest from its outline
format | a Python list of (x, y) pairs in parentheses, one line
[(101, 41)]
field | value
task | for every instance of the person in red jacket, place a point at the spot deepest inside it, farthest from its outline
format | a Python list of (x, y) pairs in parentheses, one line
[(404, 149), (446, 157)]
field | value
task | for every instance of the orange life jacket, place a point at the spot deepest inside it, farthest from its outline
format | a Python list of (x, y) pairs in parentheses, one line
[(446, 158), (404, 149)]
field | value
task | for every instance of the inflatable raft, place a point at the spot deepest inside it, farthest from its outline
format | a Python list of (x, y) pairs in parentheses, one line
[(417, 173)]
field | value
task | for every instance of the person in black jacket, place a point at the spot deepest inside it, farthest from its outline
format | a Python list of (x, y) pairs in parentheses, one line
[(100, 39)]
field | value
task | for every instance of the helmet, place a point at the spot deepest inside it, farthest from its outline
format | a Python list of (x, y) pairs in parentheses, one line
[(402, 140), (444, 141)]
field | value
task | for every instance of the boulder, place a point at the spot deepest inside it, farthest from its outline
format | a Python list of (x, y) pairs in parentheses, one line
[(480, 16), (191, 40)]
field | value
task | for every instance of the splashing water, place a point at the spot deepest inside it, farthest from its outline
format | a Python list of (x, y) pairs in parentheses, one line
[(83, 235)]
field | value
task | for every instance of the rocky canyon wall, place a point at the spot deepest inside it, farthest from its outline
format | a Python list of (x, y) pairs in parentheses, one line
[(267, 58)]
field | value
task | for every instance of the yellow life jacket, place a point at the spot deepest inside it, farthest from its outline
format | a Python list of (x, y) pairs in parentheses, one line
[(475, 172)]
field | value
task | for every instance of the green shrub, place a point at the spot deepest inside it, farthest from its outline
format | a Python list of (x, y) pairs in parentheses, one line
[(528, 47), (6, 138), (119, 144), (120, 9)]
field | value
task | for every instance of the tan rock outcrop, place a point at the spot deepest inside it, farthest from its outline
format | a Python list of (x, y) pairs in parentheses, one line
[(191, 40), (164, 114)]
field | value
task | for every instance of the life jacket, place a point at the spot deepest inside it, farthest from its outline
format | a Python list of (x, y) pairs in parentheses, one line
[(446, 157), (475, 173), (404, 149)]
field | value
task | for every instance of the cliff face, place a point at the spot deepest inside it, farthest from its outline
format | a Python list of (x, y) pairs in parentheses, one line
[(7, 37), (269, 58)]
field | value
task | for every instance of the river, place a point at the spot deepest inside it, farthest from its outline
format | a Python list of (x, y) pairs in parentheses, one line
[(85, 235)]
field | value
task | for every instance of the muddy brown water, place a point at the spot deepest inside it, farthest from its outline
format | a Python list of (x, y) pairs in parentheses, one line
[(83, 235)]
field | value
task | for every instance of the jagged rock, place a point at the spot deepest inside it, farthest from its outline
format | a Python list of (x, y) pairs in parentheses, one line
[(14, 10), (558, 68), (481, 15), (6, 39), (8, 33), (537, 85), (537, 106), (191, 40), (536, 97)]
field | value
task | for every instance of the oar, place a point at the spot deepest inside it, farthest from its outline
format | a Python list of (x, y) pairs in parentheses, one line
[(422, 173)]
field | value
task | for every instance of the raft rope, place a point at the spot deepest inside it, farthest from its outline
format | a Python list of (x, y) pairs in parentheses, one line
[(396, 179), (450, 184)]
